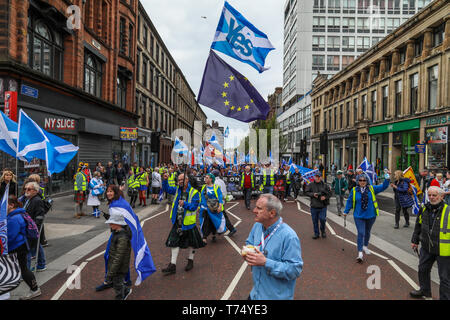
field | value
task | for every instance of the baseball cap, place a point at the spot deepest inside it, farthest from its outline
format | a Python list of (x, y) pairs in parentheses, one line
[(116, 218)]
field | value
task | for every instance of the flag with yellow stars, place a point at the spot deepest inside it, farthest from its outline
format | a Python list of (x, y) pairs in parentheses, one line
[(228, 92)]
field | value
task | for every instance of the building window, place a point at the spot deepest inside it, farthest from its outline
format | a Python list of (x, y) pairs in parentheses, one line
[(348, 24), (157, 53), (347, 122), (346, 60), (414, 93), (355, 111), (398, 97), (385, 91), (341, 116), (438, 35), (363, 43), (122, 36), (46, 54), (318, 43), (394, 6), (318, 62), (374, 105), (335, 118), (144, 72), (121, 92), (334, 43), (318, 24), (334, 24), (402, 53), (432, 87), (349, 6), (348, 44), (364, 106), (138, 65), (92, 75), (333, 63), (363, 25), (363, 6), (418, 46), (130, 40)]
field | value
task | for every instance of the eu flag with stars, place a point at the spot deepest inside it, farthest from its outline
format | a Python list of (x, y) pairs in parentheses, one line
[(228, 92)]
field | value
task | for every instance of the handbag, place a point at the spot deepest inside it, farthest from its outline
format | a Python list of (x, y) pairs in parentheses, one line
[(213, 204), (10, 271)]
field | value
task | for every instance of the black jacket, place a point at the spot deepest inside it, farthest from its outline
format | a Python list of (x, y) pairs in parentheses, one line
[(323, 190), (429, 229), (119, 253), (35, 207), (12, 189)]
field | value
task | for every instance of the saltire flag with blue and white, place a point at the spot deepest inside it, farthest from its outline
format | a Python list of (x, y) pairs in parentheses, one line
[(8, 136), (308, 177), (416, 206), (235, 161), (180, 147), (34, 142), (238, 38), (215, 143), (368, 169), (4, 222), (227, 132), (143, 261), (160, 196), (290, 161)]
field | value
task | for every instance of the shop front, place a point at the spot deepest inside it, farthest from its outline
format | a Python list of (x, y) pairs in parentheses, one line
[(393, 145), (344, 148), (437, 142)]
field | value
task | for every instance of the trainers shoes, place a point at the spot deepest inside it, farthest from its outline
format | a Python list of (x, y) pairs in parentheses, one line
[(39, 269), (419, 294), (31, 294), (366, 250), (103, 286), (127, 293), (359, 259)]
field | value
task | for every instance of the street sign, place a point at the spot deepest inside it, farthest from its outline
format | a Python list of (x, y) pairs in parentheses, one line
[(420, 148), (128, 134), (29, 91)]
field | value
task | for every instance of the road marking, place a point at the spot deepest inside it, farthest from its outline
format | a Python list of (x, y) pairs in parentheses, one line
[(233, 244), (95, 256), (228, 210), (156, 215), (234, 282), (331, 229), (68, 282), (404, 275)]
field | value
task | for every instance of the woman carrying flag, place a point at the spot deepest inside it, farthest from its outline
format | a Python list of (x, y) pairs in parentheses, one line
[(365, 209)]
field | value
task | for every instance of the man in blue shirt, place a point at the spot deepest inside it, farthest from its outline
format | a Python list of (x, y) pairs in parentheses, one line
[(276, 261)]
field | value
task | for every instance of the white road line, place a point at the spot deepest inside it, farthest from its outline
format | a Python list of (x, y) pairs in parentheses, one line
[(234, 245), (331, 229), (68, 282), (404, 275), (234, 283), (154, 216), (228, 210), (95, 256)]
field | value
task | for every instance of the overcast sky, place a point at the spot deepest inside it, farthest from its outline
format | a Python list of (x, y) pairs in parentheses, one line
[(188, 37)]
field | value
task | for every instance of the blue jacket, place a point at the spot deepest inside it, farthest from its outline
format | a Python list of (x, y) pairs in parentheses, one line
[(16, 229), (190, 206), (402, 197), (276, 280), (370, 212)]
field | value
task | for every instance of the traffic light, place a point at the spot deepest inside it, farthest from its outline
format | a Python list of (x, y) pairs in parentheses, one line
[(303, 147)]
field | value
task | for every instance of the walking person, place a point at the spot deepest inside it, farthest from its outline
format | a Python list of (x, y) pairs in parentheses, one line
[(403, 197), (121, 174), (296, 182), (96, 189), (320, 194), (17, 243), (34, 207), (110, 174), (184, 233), (80, 187), (133, 188), (223, 188), (211, 216), (275, 258), (268, 179), (365, 210), (247, 185), (340, 186), (447, 188), (432, 233), (142, 177), (156, 185)]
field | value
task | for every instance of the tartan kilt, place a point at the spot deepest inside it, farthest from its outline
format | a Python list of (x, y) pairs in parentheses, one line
[(80, 196)]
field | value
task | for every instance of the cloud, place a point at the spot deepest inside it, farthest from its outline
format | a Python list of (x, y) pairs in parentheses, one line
[(188, 37)]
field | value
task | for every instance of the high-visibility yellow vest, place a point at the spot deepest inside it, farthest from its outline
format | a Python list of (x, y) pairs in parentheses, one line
[(143, 179), (133, 183), (251, 177), (444, 234), (171, 180), (136, 170), (161, 170), (189, 216), (288, 178), (83, 186), (272, 178), (375, 203)]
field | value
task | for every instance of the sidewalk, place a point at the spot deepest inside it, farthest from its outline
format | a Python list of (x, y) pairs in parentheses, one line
[(70, 239)]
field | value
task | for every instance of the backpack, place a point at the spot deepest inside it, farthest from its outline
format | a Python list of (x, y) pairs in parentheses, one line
[(32, 231)]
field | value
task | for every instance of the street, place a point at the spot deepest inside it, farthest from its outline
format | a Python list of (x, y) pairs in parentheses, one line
[(330, 269)]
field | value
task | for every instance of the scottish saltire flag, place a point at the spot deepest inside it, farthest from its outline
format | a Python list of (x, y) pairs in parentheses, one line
[(270, 156), (8, 135), (290, 161), (180, 147), (228, 92), (4, 222), (227, 132), (416, 206), (235, 161), (215, 143), (160, 196), (34, 142), (237, 37), (143, 262), (283, 163), (368, 169)]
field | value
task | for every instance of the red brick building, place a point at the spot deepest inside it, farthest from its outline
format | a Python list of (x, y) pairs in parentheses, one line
[(73, 60)]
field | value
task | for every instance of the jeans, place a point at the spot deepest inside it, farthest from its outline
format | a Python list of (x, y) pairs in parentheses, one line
[(27, 275), (364, 226), (319, 214), (339, 202), (268, 189), (397, 214), (247, 197), (288, 190), (426, 262), (41, 258)]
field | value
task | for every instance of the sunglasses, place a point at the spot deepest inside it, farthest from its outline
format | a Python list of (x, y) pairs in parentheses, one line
[(363, 180)]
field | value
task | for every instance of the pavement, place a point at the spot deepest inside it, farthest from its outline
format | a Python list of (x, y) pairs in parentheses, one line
[(330, 269)]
